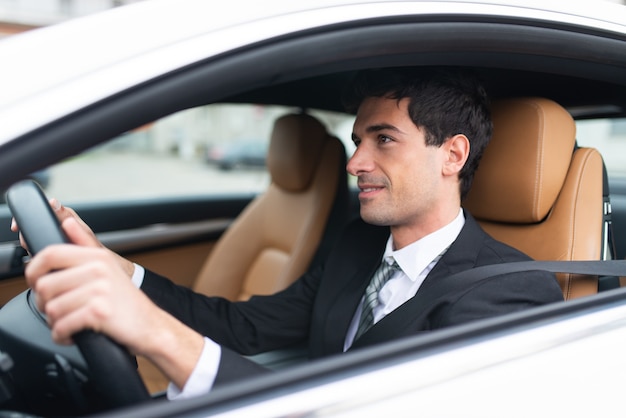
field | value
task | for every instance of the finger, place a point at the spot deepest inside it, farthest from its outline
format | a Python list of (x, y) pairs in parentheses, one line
[(59, 257), (55, 204), (93, 299), (63, 329), (61, 211), (52, 285), (64, 212), (77, 233), (103, 307)]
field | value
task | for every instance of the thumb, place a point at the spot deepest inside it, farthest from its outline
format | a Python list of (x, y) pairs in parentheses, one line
[(77, 233)]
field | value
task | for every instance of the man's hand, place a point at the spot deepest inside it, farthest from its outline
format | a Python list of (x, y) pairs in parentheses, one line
[(86, 286), (62, 213)]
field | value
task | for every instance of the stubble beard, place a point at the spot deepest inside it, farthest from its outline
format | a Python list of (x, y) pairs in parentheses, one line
[(377, 214)]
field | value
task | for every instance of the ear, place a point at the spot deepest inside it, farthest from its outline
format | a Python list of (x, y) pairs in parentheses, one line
[(456, 150)]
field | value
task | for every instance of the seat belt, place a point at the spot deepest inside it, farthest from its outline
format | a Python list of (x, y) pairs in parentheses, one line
[(425, 297), (606, 268)]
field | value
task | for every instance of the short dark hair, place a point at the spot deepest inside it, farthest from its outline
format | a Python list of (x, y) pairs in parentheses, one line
[(443, 101)]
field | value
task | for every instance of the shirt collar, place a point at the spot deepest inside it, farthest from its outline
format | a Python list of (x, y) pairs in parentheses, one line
[(415, 257)]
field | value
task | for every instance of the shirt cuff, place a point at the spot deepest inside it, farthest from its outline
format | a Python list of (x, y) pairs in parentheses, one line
[(138, 274), (202, 377)]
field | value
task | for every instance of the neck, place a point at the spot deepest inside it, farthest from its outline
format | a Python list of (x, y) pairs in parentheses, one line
[(406, 234)]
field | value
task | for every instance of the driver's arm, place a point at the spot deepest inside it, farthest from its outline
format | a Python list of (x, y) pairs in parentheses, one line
[(192, 362), (203, 375), (86, 286), (216, 364)]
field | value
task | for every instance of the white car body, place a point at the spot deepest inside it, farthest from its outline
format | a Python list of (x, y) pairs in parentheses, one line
[(569, 363)]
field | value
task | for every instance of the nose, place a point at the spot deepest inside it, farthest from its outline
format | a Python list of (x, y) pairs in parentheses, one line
[(360, 162)]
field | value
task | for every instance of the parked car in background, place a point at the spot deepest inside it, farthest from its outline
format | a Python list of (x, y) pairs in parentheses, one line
[(183, 68), (240, 154)]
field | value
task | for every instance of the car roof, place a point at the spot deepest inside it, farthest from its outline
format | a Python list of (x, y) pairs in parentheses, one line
[(80, 51)]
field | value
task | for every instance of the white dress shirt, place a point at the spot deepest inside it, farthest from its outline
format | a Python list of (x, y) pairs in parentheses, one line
[(415, 260)]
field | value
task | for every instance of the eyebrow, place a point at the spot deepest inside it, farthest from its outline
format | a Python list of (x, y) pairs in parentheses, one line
[(382, 127), (377, 128)]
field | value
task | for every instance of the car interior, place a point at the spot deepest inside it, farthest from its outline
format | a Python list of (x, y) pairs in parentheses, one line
[(545, 185)]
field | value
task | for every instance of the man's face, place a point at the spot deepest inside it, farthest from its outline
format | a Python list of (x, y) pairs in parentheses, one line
[(398, 175)]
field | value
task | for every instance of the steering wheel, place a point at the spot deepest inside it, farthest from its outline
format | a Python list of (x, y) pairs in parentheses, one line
[(110, 369)]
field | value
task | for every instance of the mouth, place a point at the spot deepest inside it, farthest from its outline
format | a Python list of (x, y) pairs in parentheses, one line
[(368, 191)]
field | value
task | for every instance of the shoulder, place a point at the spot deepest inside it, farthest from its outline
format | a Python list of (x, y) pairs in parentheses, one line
[(494, 251), (485, 250), (490, 250), (535, 284)]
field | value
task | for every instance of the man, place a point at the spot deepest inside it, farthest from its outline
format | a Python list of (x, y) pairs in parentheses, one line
[(419, 138)]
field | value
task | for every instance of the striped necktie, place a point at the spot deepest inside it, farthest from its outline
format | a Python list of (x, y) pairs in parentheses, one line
[(370, 299)]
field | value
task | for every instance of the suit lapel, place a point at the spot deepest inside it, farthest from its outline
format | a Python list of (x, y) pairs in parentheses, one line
[(411, 317), (351, 272)]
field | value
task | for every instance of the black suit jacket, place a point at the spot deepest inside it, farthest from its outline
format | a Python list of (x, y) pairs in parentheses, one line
[(319, 307)]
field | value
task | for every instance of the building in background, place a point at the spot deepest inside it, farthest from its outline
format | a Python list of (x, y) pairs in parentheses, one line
[(21, 15)]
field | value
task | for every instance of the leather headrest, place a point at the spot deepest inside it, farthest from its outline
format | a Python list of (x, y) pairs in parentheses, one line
[(294, 152), (525, 164)]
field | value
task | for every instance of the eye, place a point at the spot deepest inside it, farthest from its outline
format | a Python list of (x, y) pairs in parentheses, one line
[(356, 141), (384, 139)]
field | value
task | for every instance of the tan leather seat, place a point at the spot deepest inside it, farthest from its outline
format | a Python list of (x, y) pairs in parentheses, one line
[(274, 239), (285, 229), (534, 191)]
